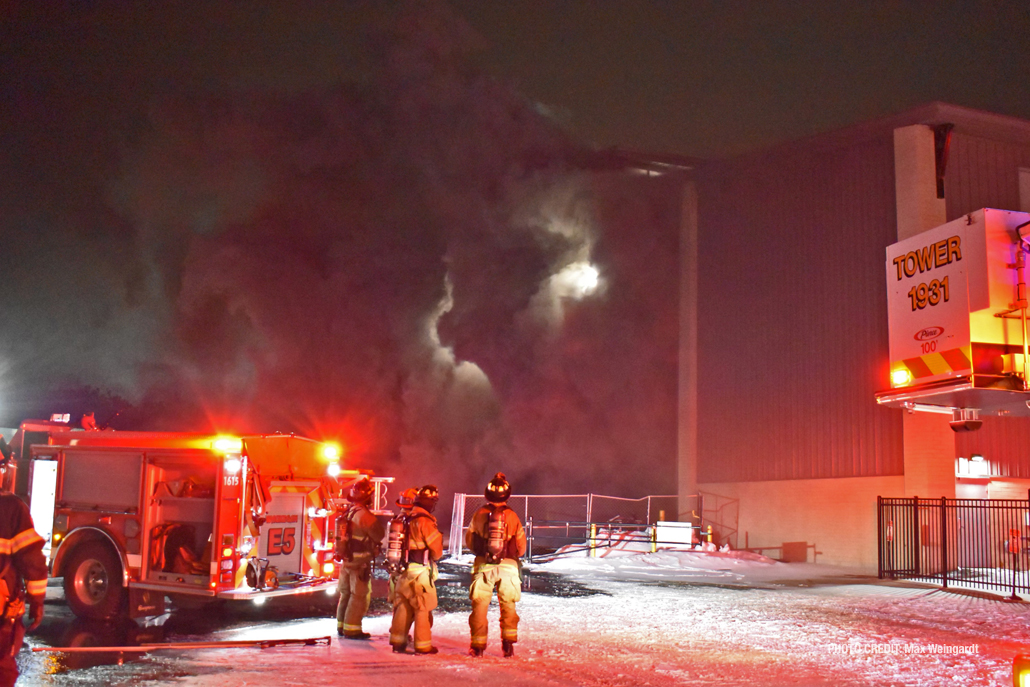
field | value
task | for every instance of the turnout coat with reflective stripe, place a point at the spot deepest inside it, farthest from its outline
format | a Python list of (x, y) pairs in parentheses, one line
[(22, 546), (515, 546), (366, 535), (424, 534)]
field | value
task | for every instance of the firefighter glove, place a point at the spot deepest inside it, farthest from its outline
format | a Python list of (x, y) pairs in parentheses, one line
[(35, 613)]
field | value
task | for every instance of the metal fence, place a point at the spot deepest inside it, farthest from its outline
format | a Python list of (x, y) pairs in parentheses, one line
[(564, 512), (718, 516), (979, 543)]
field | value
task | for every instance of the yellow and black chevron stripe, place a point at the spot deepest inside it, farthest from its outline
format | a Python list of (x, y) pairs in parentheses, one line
[(955, 360)]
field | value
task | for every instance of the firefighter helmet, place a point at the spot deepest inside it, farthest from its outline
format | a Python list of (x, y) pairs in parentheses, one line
[(498, 490), (361, 491), (428, 497), (407, 498)]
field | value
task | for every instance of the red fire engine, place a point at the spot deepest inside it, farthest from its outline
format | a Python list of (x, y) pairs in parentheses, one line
[(132, 517)]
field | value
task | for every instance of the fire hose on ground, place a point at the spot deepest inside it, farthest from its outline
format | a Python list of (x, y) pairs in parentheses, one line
[(175, 646)]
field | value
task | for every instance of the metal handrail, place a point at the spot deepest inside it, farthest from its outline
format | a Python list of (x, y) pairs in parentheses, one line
[(593, 530), (588, 501)]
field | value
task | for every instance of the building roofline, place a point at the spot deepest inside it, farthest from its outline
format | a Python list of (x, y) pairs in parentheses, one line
[(966, 120), (621, 159)]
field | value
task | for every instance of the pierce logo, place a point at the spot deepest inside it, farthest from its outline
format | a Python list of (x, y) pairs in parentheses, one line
[(928, 333)]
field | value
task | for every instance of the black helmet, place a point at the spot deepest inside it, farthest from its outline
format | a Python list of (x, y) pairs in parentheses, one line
[(498, 490), (361, 491), (428, 497)]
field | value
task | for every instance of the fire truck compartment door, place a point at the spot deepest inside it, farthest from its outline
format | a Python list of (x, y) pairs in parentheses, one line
[(101, 480), (41, 503), (282, 536)]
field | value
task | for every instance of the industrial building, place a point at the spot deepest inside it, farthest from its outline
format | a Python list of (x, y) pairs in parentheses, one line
[(784, 332)]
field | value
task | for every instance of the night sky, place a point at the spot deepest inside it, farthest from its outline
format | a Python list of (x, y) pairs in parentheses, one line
[(718, 78), (364, 220)]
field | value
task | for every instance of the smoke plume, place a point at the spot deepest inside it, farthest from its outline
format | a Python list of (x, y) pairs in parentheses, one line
[(413, 263)]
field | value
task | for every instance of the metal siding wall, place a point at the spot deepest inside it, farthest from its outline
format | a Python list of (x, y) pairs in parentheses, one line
[(985, 173), (792, 317), (1003, 441), (982, 173)]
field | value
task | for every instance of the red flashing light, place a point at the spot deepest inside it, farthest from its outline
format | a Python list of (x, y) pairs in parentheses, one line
[(1021, 671)]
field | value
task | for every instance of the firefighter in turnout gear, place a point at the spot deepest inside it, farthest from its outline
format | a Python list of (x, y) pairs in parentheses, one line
[(496, 536), (414, 597), (23, 572), (359, 535)]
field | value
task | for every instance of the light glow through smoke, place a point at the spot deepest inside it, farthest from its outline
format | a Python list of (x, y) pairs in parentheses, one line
[(578, 280)]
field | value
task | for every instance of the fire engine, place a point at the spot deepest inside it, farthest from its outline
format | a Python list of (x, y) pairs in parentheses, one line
[(957, 311), (132, 517)]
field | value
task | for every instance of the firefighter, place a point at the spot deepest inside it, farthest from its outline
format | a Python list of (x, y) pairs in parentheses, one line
[(496, 536), (89, 422), (415, 595), (359, 535), (22, 566)]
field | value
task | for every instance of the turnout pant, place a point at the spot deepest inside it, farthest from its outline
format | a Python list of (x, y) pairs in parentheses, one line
[(414, 599), (11, 635), (486, 577), (8, 671), (355, 587)]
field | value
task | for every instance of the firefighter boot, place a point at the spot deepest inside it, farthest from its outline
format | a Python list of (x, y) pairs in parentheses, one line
[(509, 647), (356, 635), (476, 651), (430, 650)]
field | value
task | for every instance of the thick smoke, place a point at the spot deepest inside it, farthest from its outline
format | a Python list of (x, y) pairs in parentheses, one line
[(392, 263)]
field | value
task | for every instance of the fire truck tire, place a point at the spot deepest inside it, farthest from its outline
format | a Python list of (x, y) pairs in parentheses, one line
[(93, 582)]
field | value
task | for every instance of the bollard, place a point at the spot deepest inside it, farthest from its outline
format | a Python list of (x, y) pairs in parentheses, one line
[(529, 538)]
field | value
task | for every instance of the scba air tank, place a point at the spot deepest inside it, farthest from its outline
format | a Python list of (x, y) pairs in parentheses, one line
[(396, 543), (496, 537)]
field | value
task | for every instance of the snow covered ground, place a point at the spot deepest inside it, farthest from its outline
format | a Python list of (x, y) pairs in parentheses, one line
[(668, 618)]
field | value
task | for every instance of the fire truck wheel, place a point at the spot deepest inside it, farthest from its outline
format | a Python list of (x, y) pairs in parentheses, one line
[(92, 582)]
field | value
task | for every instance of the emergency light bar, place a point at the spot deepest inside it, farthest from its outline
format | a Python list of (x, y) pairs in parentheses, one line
[(225, 444)]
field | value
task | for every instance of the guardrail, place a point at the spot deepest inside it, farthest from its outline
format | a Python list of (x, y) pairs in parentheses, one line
[(591, 537), (574, 508)]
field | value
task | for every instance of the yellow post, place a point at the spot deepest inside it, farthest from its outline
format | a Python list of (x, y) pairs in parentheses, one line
[(709, 533), (654, 538), (593, 538)]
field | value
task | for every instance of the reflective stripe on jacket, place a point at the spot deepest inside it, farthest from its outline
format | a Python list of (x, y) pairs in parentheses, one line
[(20, 541)]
